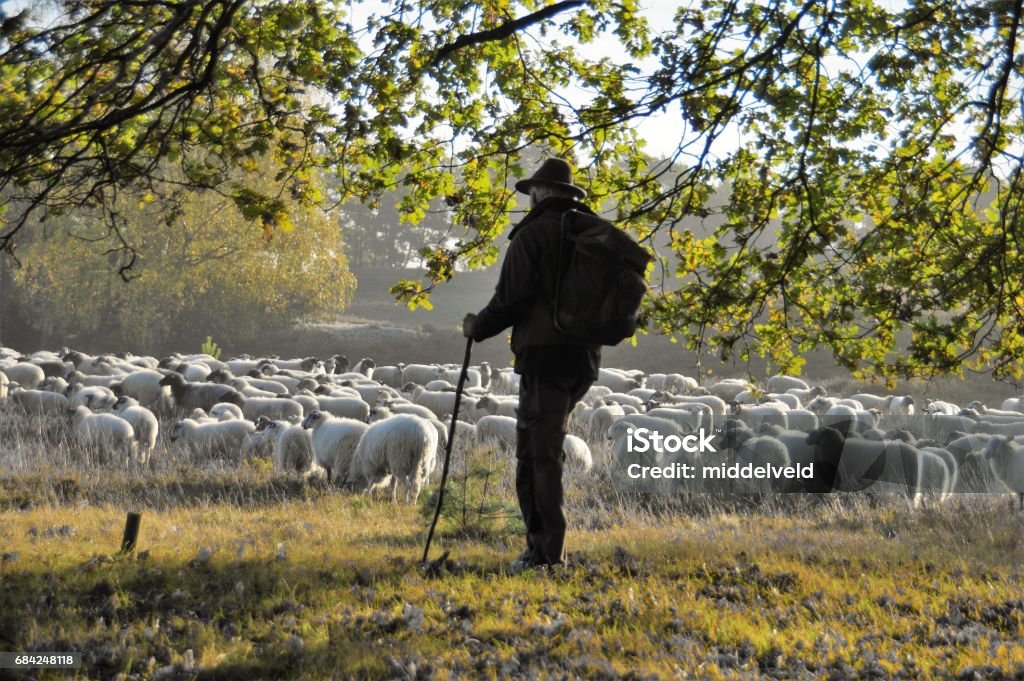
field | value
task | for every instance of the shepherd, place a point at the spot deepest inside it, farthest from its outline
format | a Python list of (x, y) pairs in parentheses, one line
[(555, 369)]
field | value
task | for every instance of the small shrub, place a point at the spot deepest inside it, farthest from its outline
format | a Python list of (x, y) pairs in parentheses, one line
[(211, 348), (474, 506)]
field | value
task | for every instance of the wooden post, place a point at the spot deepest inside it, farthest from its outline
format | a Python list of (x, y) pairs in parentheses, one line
[(131, 532)]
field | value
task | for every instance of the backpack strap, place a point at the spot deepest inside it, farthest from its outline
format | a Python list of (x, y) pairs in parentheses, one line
[(561, 262)]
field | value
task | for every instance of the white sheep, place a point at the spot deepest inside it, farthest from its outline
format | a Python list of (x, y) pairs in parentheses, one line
[(365, 366), (622, 430), (391, 407), (4, 385), (441, 403), (390, 376), (941, 425), (310, 365), (25, 374), (755, 415), (399, 450), (601, 418), (344, 407), (625, 399), (619, 380), (780, 383), (144, 386), (654, 423), (807, 394), (858, 419), (872, 401), (205, 358), (96, 397), (290, 383), (788, 399), (274, 408), (728, 388), (936, 483), (293, 446), (576, 453), (672, 383), (821, 404), (1007, 460), (334, 442), (268, 387), (501, 431), (39, 401), (1011, 429), (200, 416), (988, 416), (369, 391), (420, 373), (645, 394), (90, 380), (100, 365), (143, 422), (596, 393), (802, 419), (103, 432), (500, 405), (1013, 404), (980, 407), (452, 373), (504, 382), (940, 407), (225, 411), (759, 450), (902, 405), (496, 429), (716, 406), (307, 400), (212, 440), (54, 384), (690, 417)]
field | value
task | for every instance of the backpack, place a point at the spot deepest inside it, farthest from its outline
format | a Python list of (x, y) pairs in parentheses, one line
[(601, 283)]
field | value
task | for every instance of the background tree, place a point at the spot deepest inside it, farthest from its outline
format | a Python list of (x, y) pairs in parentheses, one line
[(200, 271), (857, 141)]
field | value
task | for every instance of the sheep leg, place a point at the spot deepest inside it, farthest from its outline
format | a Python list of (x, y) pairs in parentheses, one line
[(328, 469)]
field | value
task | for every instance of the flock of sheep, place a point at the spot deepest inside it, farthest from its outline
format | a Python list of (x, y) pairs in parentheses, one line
[(369, 426)]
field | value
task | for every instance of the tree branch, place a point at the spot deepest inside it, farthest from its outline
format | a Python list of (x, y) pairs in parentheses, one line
[(505, 30)]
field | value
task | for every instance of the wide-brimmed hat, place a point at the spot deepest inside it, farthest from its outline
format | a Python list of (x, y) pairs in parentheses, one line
[(555, 172)]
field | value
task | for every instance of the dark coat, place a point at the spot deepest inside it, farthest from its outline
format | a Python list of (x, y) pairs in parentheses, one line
[(524, 294)]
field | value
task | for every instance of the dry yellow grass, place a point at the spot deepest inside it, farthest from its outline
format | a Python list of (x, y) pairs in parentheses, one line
[(246, 573), (330, 588)]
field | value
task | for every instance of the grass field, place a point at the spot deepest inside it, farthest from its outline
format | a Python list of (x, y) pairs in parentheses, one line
[(242, 572)]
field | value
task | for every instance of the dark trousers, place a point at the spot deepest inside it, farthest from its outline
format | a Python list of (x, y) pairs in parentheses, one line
[(543, 414)]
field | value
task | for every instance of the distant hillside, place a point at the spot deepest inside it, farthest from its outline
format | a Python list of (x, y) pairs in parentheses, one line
[(467, 292)]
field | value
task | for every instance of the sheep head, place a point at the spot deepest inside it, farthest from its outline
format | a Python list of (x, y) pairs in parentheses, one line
[(312, 418)]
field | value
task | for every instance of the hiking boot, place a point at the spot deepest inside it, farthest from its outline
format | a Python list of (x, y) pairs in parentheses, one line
[(525, 561)]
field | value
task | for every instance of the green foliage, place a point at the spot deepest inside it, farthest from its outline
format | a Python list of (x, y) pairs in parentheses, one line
[(473, 506), (868, 153), (211, 348)]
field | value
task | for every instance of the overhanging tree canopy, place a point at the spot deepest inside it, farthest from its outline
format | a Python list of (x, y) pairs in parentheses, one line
[(874, 187)]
